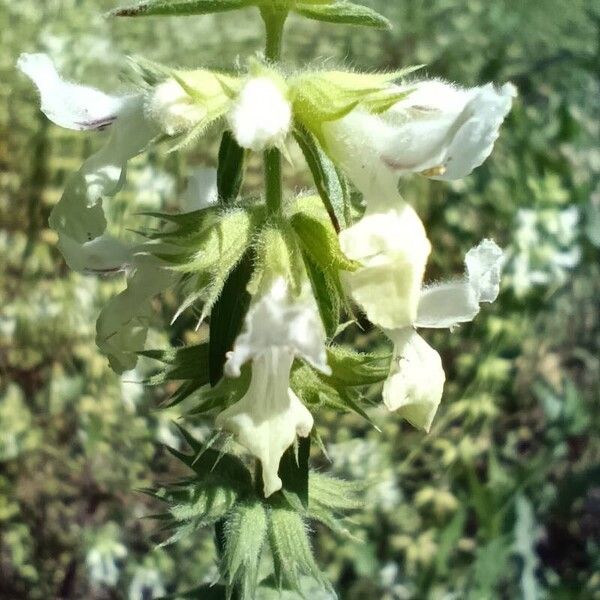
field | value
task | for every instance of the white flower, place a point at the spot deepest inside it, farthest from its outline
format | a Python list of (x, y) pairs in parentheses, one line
[(267, 419), (261, 116), (123, 323), (439, 130), (416, 380), (392, 247), (68, 104), (79, 218)]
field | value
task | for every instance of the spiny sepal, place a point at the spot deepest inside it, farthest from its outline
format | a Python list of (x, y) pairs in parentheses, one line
[(341, 391), (263, 543), (206, 246)]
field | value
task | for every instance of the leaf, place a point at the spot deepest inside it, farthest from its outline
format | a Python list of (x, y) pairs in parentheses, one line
[(190, 362), (321, 242), (290, 547), (293, 470), (204, 460), (326, 177), (228, 315), (178, 8), (230, 172), (334, 494), (353, 369), (490, 566), (343, 13), (245, 532), (448, 541), (203, 592), (326, 295)]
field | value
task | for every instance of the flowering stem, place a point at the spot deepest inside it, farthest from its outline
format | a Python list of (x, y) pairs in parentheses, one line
[(274, 22), (273, 189)]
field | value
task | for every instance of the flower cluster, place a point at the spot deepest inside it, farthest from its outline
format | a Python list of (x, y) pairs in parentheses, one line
[(309, 259)]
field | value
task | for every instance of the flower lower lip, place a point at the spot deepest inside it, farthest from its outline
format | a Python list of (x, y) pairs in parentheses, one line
[(99, 124)]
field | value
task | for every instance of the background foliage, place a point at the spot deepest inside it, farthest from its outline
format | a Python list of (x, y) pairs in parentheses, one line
[(501, 500)]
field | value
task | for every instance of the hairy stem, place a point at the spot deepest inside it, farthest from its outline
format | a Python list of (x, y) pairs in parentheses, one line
[(274, 24)]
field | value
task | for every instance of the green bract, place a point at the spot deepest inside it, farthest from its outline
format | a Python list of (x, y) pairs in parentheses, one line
[(342, 12)]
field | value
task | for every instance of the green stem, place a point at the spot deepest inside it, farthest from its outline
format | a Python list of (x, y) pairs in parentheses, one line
[(274, 23), (273, 185)]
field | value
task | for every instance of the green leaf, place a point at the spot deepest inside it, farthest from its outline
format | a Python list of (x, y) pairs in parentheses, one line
[(293, 470), (204, 503), (230, 172), (326, 177), (290, 547), (326, 295), (448, 541), (489, 567), (178, 8), (190, 362), (228, 315), (352, 369), (245, 532), (320, 240), (335, 494), (203, 462), (203, 592), (344, 13)]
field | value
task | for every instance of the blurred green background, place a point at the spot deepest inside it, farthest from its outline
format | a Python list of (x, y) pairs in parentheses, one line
[(500, 500)]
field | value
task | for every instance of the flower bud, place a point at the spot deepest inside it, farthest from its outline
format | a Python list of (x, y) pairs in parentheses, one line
[(261, 116)]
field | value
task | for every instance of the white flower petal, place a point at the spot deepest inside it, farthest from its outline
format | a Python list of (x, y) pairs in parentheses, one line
[(416, 382), (268, 418), (420, 127), (78, 218), (393, 248), (445, 129), (104, 254), (354, 143), (68, 104), (474, 140), (439, 130), (201, 191), (278, 320), (261, 116), (445, 305), (484, 266), (123, 323)]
